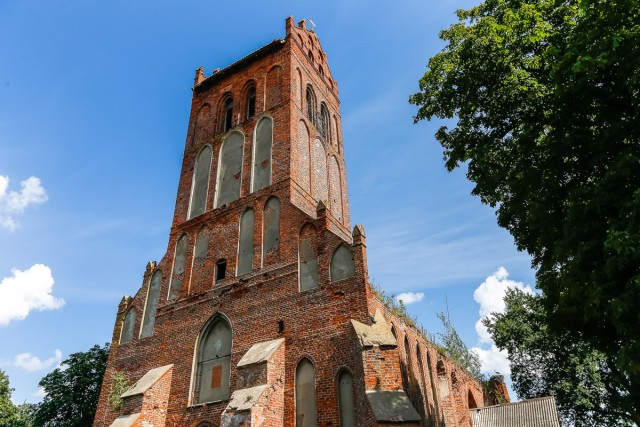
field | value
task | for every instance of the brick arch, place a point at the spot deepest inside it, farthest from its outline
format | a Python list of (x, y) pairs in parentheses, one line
[(244, 93), (221, 109), (203, 125)]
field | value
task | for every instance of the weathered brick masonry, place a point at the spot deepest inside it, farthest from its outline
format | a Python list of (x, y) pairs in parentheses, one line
[(260, 312)]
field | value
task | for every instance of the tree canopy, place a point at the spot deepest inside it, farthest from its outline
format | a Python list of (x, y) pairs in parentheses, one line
[(12, 415), (545, 95), (72, 391)]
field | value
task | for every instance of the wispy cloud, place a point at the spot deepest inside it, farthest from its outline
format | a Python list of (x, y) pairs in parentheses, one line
[(25, 291), (31, 363), (490, 296), (410, 297), (14, 203)]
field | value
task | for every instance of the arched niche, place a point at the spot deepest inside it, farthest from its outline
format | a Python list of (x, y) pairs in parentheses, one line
[(262, 148), (203, 125), (128, 326), (307, 259), (274, 86), (271, 226), (346, 404), (319, 184), (151, 305), (245, 244), (303, 157), (342, 264), (335, 188), (178, 270), (305, 383), (230, 169), (199, 276), (200, 184)]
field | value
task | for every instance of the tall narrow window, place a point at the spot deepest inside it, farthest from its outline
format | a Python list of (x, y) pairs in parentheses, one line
[(200, 277), (200, 185), (262, 154), (230, 169), (221, 269), (311, 105), (271, 227), (214, 361), (346, 405), (151, 306), (251, 102), (324, 122), (177, 274), (245, 246), (305, 394), (228, 113), (342, 264), (128, 325), (307, 259)]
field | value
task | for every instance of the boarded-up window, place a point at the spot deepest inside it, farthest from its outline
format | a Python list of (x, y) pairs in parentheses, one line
[(262, 154), (151, 306), (342, 264), (320, 185), (274, 86), (245, 246), (305, 394), (307, 259), (303, 166), (200, 185), (271, 226), (128, 325), (335, 188), (346, 404), (199, 276), (230, 169), (214, 360), (178, 273)]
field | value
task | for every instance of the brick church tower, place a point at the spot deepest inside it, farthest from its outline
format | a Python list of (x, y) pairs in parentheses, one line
[(260, 313)]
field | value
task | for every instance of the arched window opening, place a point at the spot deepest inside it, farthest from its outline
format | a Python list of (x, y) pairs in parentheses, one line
[(342, 264), (324, 121), (221, 270), (311, 58), (262, 146), (228, 114), (307, 259), (321, 71), (230, 169), (251, 102), (213, 362), (128, 325), (305, 394), (151, 305), (245, 245), (471, 400), (200, 185), (443, 384), (311, 105), (271, 227), (393, 332), (178, 273), (346, 405)]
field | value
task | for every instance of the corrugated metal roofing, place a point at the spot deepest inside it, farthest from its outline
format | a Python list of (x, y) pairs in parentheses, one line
[(540, 412)]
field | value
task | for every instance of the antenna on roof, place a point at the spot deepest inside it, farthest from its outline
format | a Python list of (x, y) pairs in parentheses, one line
[(313, 24)]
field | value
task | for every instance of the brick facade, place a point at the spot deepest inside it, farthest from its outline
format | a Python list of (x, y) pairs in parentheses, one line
[(308, 177)]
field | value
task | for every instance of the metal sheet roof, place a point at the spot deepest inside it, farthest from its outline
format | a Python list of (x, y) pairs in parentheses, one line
[(540, 412)]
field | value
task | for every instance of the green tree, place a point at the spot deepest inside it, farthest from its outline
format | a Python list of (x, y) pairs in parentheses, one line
[(455, 349), (10, 414), (545, 95), (72, 390), (584, 380)]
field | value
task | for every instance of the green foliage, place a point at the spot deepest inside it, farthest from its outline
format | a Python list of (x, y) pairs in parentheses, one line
[(455, 349), (10, 414), (119, 384), (545, 97), (585, 382), (72, 391)]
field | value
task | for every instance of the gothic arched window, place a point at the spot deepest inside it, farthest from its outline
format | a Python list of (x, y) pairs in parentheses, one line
[(128, 325), (305, 394), (346, 404), (177, 273), (230, 169), (151, 305), (228, 113), (245, 244), (342, 264), (251, 102), (263, 142), (200, 185), (311, 105), (271, 226), (323, 121), (213, 362)]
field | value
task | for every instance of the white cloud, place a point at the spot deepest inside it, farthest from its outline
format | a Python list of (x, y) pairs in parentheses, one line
[(410, 297), (31, 363), (40, 393), (25, 291), (13, 203), (490, 295)]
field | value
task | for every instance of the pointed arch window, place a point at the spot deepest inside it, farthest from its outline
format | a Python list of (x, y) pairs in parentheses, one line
[(251, 102), (213, 362), (311, 104), (346, 405), (262, 147), (306, 415), (128, 325), (178, 273), (228, 113), (307, 259), (342, 264), (230, 169), (271, 227), (151, 305), (245, 244), (323, 122), (200, 185)]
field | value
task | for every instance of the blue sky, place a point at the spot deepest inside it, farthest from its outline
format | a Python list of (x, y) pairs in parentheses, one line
[(94, 103)]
